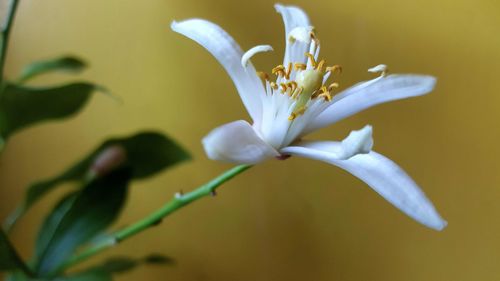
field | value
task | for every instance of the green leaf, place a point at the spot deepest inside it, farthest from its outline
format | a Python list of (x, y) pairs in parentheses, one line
[(69, 64), (92, 210), (52, 222), (117, 265), (9, 259), (147, 153), (21, 107)]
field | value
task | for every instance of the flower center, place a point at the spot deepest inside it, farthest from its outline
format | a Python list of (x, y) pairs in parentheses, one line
[(302, 82)]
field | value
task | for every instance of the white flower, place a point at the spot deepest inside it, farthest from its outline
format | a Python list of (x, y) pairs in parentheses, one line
[(299, 102)]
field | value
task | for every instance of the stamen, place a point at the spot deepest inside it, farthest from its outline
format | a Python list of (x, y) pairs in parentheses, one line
[(300, 66), (326, 95), (296, 93), (292, 85), (288, 71), (273, 85), (335, 68), (283, 87), (333, 86), (312, 34), (278, 70), (311, 59), (297, 113), (263, 76), (320, 65)]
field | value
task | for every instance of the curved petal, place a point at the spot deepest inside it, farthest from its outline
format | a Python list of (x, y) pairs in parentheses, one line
[(253, 51), (381, 174), (223, 47), (293, 17), (237, 142), (370, 93)]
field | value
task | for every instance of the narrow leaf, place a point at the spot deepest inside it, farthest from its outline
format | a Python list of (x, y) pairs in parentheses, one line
[(69, 64), (21, 107), (9, 259), (93, 210)]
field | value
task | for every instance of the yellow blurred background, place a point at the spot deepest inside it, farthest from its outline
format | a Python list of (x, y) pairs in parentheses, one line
[(292, 220)]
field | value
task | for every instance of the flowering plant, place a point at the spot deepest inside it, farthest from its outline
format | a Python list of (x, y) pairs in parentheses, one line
[(284, 109)]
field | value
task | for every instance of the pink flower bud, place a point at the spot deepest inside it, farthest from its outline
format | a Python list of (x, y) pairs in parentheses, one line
[(108, 159)]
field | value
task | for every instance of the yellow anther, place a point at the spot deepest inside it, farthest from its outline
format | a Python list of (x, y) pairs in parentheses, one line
[(325, 93), (300, 66), (327, 96), (279, 70), (311, 59), (273, 85), (292, 85), (288, 71), (283, 87), (263, 76), (320, 65), (297, 113), (335, 68), (333, 86)]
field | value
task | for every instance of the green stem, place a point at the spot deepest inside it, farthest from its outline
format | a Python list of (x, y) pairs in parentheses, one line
[(179, 201), (7, 26)]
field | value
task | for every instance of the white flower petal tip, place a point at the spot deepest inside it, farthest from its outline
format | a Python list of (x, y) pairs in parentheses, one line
[(293, 16), (381, 174), (302, 34), (358, 142), (378, 68), (237, 142), (228, 53), (253, 51)]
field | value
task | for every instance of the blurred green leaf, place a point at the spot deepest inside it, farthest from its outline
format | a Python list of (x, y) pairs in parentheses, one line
[(52, 222), (93, 210), (123, 264), (21, 107), (16, 276), (147, 153), (69, 64), (9, 259)]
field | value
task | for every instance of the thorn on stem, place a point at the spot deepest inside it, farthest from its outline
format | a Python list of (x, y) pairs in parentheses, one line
[(213, 193), (179, 194)]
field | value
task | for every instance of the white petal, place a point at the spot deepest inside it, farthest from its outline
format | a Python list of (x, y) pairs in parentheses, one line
[(302, 34), (253, 51), (381, 174), (237, 142), (371, 93), (358, 142), (293, 17), (378, 68), (229, 54)]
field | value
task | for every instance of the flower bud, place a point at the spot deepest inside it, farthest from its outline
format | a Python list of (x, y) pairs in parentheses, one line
[(107, 160)]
